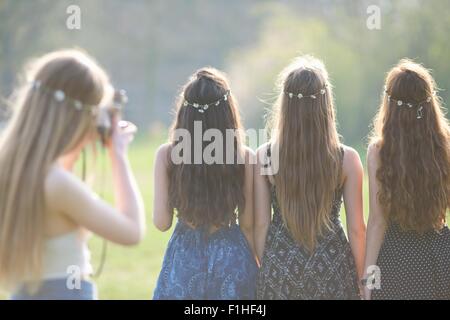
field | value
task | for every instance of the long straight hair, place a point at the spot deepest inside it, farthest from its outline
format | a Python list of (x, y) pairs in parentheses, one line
[(208, 195), (308, 146), (40, 131), (414, 150)]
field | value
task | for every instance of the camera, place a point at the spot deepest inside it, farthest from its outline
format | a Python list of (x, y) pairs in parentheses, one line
[(110, 113)]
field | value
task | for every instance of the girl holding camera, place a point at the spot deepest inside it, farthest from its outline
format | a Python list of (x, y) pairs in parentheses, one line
[(46, 212)]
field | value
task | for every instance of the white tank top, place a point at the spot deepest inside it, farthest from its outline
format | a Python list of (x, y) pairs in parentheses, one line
[(66, 255)]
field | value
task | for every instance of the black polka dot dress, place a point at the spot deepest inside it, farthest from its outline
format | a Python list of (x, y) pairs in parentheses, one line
[(414, 266)]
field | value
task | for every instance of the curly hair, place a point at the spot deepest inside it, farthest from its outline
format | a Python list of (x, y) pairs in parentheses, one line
[(414, 151)]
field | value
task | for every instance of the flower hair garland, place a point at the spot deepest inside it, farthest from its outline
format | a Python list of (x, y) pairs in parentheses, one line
[(60, 96), (419, 105), (311, 96), (203, 107)]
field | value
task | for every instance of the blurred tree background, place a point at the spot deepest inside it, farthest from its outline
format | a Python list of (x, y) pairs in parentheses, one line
[(151, 47)]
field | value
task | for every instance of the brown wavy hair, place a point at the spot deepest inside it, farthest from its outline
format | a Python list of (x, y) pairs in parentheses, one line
[(207, 195), (309, 150), (414, 169)]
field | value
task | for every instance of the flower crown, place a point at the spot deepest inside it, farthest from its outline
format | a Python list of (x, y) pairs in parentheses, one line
[(60, 96), (419, 105), (203, 107), (311, 96)]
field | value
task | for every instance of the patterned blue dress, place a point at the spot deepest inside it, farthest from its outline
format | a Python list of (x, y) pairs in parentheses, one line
[(202, 266)]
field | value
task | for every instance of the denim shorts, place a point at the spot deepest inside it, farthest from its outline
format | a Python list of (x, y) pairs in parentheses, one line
[(56, 289)]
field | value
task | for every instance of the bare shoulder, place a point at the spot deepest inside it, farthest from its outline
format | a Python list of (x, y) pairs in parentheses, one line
[(249, 155), (162, 153), (59, 184), (351, 165), (351, 158), (373, 152), (261, 151), (58, 179)]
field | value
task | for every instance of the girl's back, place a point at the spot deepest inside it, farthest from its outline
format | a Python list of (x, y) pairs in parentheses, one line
[(209, 255)]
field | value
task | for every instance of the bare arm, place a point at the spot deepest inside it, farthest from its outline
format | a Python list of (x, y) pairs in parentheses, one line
[(124, 224), (162, 212), (246, 217), (376, 226), (261, 203), (353, 201)]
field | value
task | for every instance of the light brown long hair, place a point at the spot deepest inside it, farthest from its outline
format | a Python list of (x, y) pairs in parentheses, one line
[(40, 131), (414, 170), (309, 150), (207, 195)]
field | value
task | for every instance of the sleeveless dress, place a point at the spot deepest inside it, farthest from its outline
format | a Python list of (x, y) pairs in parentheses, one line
[(414, 266), (290, 272), (202, 266)]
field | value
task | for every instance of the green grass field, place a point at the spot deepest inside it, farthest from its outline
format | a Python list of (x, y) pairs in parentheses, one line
[(131, 273)]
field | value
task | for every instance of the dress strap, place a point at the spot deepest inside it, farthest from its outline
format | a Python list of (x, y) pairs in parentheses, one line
[(268, 156)]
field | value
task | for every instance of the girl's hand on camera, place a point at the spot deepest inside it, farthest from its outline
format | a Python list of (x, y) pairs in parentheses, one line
[(122, 134)]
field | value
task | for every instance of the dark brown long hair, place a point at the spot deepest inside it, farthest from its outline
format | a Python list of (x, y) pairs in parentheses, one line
[(414, 170), (207, 195), (309, 150)]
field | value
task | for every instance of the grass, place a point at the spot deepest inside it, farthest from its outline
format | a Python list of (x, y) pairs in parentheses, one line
[(132, 272)]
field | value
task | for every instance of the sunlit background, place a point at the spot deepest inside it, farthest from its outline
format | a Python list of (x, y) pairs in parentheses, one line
[(151, 47)]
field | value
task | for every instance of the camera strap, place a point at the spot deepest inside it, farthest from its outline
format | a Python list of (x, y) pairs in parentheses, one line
[(99, 270)]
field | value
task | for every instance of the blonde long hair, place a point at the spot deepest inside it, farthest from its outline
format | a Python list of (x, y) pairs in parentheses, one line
[(413, 137), (40, 131), (308, 150)]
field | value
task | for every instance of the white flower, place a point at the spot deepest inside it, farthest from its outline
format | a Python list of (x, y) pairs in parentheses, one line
[(59, 95), (78, 105)]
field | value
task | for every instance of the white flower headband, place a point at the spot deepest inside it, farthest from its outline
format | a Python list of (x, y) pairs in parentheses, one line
[(311, 96), (203, 107), (410, 105), (60, 96)]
